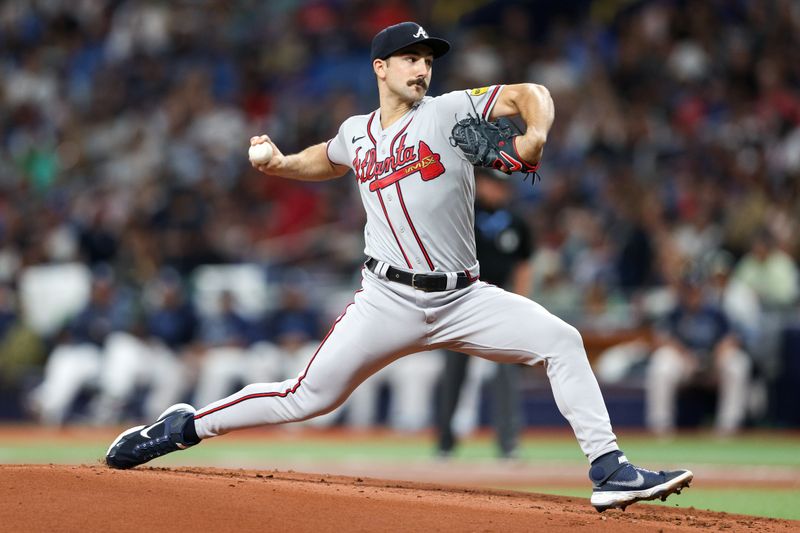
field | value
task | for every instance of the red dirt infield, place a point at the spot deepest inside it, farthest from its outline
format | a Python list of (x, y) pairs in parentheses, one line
[(95, 498)]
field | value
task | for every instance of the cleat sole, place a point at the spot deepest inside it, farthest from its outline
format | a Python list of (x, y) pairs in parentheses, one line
[(622, 499)]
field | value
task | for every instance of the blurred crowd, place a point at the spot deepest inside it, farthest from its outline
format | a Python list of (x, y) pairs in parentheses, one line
[(675, 154)]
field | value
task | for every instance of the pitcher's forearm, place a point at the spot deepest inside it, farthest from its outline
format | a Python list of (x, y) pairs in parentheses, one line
[(312, 164), (534, 105)]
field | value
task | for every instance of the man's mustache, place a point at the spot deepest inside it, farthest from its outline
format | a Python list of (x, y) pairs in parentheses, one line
[(421, 82)]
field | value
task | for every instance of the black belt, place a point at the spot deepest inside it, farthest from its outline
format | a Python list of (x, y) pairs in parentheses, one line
[(423, 282)]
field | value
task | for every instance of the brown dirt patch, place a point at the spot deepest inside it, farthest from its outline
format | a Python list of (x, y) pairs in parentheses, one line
[(95, 498)]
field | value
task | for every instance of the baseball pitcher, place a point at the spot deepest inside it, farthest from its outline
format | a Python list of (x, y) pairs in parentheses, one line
[(413, 161)]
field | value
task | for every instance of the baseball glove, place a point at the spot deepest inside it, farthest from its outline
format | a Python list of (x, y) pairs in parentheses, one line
[(490, 144)]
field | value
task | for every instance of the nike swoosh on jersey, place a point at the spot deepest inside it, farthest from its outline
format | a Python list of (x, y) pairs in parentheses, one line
[(634, 483), (354, 139)]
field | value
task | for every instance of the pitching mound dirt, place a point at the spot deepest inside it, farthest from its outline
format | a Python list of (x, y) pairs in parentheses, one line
[(95, 498)]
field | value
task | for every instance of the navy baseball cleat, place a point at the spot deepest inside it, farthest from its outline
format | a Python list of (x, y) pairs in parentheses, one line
[(140, 444), (618, 483)]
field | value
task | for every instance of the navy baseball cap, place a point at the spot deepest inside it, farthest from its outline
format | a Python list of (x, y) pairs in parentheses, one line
[(390, 40)]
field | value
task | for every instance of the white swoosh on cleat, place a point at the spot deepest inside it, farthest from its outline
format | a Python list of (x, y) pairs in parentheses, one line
[(634, 483), (145, 432), (122, 436)]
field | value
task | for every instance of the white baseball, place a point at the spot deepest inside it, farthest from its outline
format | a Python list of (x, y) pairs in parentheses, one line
[(260, 154)]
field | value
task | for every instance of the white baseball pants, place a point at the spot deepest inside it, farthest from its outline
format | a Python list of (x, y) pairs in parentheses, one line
[(388, 320)]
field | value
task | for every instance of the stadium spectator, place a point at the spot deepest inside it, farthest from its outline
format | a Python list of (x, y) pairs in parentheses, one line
[(697, 344), (223, 340), (773, 275), (151, 354), (78, 356)]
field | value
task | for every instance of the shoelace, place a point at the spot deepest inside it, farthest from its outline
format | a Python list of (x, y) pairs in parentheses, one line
[(154, 447)]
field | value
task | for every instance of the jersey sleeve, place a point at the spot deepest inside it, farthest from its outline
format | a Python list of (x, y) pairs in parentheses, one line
[(455, 105), (336, 148)]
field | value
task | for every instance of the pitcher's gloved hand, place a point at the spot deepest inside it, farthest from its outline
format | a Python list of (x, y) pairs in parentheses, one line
[(490, 144)]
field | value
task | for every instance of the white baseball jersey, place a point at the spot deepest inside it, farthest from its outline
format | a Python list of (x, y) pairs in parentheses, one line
[(418, 190)]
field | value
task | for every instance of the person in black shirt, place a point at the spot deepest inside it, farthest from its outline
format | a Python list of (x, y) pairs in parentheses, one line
[(504, 246)]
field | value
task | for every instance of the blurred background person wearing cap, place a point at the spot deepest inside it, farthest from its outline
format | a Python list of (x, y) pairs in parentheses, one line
[(696, 343), (151, 354), (504, 244), (286, 337), (285, 342), (223, 337), (80, 349)]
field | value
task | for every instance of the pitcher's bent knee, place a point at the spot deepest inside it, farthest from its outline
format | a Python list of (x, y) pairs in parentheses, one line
[(569, 342)]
